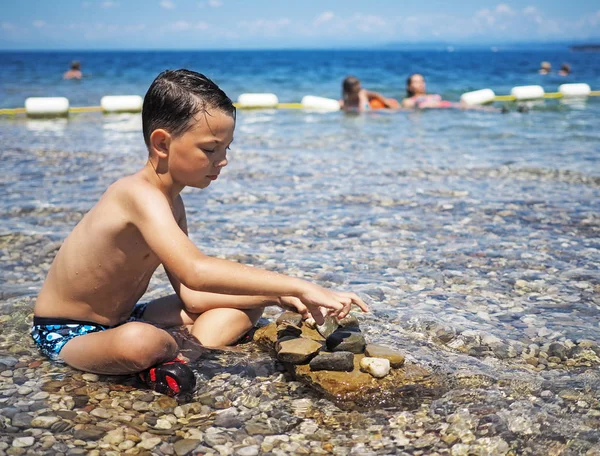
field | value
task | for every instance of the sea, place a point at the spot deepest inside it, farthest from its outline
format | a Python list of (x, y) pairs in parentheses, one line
[(473, 235)]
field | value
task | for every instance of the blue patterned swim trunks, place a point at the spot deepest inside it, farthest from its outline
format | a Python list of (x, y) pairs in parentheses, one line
[(51, 334)]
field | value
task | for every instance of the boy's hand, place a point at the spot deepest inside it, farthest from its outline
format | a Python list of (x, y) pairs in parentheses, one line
[(321, 301), (295, 305)]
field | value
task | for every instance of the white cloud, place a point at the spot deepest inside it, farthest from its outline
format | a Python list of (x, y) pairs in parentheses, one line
[(503, 8), (211, 4), (85, 4), (530, 10), (369, 23), (39, 23), (324, 17), (7, 26), (109, 4), (167, 4), (181, 26), (266, 27)]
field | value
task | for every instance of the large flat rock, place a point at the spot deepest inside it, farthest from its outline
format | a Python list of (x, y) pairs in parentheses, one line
[(407, 385)]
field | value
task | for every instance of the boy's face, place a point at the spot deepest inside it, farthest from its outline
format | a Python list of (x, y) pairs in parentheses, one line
[(197, 156)]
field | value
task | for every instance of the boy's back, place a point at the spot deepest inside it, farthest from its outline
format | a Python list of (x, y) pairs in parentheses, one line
[(104, 265)]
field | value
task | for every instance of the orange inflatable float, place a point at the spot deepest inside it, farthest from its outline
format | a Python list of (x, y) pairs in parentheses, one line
[(377, 104)]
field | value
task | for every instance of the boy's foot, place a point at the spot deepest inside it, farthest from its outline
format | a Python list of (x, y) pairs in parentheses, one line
[(173, 378)]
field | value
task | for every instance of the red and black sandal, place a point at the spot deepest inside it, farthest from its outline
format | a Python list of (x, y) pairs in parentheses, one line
[(173, 378)]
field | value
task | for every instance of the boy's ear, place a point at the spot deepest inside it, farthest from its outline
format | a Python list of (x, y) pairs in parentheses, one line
[(160, 140)]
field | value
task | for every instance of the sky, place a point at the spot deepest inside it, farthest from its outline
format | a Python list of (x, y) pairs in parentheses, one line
[(274, 24)]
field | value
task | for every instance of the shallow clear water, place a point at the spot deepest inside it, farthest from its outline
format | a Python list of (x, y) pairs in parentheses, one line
[(472, 235)]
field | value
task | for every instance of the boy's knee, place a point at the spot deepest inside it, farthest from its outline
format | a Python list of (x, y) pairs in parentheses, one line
[(144, 345)]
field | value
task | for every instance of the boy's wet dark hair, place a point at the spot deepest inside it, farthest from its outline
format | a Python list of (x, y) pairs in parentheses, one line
[(175, 97)]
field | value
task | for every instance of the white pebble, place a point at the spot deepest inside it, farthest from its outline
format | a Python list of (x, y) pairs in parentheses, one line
[(22, 442), (377, 367), (24, 390), (90, 377)]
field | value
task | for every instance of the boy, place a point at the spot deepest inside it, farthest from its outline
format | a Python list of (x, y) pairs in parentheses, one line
[(86, 313)]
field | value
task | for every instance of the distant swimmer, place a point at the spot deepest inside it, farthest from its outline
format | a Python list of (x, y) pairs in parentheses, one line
[(357, 99), (417, 97), (565, 69), (545, 68), (74, 72)]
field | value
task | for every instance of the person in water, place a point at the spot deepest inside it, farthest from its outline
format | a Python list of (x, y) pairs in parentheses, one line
[(74, 72), (565, 69), (357, 99), (417, 97), (545, 68), (87, 313)]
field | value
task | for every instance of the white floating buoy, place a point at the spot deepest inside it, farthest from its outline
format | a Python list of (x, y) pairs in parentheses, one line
[(122, 103), (575, 90), (46, 106), (258, 100), (532, 92), (320, 103), (478, 97)]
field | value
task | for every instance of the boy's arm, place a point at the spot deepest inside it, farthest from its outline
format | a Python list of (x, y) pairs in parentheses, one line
[(201, 301), (154, 218)]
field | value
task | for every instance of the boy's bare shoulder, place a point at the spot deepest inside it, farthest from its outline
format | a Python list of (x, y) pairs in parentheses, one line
[(134, 189), (140, 198)]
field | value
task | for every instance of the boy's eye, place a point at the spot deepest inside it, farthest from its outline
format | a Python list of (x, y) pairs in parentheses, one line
[(208, 151)]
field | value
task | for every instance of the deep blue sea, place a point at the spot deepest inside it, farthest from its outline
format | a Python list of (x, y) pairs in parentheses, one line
[(289, 74)]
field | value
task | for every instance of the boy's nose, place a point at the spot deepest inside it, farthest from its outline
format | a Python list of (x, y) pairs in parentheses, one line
[(221, 163)]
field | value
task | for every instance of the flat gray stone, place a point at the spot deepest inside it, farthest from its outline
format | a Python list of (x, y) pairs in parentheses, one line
[(342, 361), (298, 351), (395, 358), (91, 433), (349, 321), (290, 317), (185, 446), (328, 327), (342, 340), (288, 330)]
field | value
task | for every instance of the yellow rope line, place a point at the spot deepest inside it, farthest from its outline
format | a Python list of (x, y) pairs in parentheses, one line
[(504, 98), (86, 109), (80, 109)]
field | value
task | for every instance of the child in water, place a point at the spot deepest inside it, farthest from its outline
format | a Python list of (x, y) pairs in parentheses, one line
[(87, 313), (355, 98)]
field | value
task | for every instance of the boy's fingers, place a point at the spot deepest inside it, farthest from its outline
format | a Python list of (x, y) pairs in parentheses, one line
[(317, 316), (360, 303)]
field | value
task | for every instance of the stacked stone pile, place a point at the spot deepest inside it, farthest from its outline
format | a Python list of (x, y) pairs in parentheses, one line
[(336, 359)]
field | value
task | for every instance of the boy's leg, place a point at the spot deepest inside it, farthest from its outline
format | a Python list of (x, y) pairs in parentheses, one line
[(126, 349), (213, 328), (168, 311), (220, 327)]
